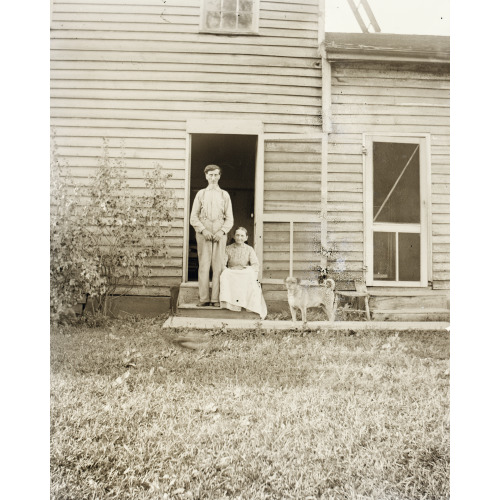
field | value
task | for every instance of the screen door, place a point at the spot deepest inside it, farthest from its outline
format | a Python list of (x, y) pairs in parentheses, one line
[(396, 211)]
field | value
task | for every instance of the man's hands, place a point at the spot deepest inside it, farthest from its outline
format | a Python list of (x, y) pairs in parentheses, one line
[(218, 235), (212, 237), (207, 235)]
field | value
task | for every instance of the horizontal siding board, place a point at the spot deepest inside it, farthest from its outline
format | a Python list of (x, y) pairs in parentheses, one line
[(179, 47), (101, 123), (146, 154), (376, 71), (144, 95), (110, 122), (351, 187), (392, 110), (294, 168), (285, 206), (135, 143), (441, 257), (173, 18), (339, 145), (389, 83), (186, 71), (300, 199), (161, 35), (122, 133), (439, 248), (344, 167), (220, 59), (341, 90), (294, 146), (379, 128), (391, 100), (441, 208), (135, 163), (297, 178), (393, 120), (345, 158), (177, 179), (194, 106), (440, 229), (295, 157), (169, 115), (202, 88), (334, 177), (346, 196), (265, 33), (440, 188)]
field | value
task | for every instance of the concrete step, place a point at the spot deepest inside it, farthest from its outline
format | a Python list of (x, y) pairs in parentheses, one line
[(411, 315), (188, 294), (192, 311)]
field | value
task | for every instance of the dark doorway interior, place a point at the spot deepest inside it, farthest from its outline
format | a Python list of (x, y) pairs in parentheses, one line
[(236, 155)]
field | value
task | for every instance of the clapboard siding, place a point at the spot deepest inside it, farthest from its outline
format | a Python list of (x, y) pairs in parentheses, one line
[(135, 72), (292, 176), (387, 98)]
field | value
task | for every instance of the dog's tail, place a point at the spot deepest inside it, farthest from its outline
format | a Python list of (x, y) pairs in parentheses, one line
[(330, 283)]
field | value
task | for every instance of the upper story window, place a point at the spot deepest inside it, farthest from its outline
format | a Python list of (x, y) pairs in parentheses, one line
[(230, 16)]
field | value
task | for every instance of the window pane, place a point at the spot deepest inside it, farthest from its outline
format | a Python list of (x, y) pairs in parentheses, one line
[(213, 4), (229, 5), (245, 21), (389, 161), (384, 256), (213, 20), (228, 21), (246, 5), (409, 256)]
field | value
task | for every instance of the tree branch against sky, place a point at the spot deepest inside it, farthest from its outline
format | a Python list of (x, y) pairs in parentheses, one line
[(419, 17)]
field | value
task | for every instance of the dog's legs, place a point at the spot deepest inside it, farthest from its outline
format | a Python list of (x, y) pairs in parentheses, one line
[(328, 311), (294, 314), (335, 305), (303, 310)]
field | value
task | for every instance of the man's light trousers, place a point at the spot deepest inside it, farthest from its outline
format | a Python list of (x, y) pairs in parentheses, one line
[(210, 254)]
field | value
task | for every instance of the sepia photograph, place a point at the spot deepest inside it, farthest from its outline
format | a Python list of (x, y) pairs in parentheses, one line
[(250, 249)]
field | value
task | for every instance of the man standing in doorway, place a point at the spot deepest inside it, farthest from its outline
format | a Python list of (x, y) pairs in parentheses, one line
[(212, 218)]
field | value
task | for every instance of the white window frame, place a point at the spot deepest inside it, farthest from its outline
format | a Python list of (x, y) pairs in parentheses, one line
[(253, 31), (425, 208)]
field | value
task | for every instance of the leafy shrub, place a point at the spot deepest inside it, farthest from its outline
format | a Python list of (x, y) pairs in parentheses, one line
[(104, 238)]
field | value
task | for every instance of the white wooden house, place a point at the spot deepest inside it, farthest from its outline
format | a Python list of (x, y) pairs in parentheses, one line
[(302, 125)]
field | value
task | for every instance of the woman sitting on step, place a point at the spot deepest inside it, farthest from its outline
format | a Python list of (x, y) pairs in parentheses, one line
[(239, 285)]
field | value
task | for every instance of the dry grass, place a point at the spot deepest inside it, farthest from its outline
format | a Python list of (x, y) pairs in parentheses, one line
[(251, 415)]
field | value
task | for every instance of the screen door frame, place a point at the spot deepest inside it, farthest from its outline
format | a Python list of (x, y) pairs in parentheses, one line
[(423, 140)]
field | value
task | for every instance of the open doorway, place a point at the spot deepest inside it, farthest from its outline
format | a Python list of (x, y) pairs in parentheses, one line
[(236, 155)]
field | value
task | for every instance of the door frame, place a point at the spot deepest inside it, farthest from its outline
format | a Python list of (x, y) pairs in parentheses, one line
[(423, 140), (231, 127)]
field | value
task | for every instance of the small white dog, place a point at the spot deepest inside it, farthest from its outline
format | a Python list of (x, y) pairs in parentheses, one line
[(304, 295)]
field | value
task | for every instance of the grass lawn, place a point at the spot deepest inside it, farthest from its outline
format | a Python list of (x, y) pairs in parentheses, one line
[(251, 415)]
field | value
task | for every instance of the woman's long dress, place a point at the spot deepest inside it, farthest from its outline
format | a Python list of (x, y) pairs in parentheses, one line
[(240, 288)]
